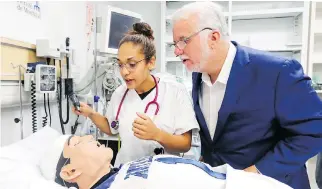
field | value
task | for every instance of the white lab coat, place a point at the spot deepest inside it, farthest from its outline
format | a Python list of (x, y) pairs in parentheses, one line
[(176, 116)]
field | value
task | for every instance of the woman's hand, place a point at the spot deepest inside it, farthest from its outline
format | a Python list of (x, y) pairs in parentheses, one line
[(144, 128), (251, 169), (85, 110)]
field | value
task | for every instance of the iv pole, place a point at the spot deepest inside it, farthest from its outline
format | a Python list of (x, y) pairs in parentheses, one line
[(17, 120), (95, 68)]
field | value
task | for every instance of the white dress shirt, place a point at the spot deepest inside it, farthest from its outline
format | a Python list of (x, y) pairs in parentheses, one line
[(212, 95)]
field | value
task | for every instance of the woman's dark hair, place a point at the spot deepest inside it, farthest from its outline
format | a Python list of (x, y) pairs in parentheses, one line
[(141, 34)]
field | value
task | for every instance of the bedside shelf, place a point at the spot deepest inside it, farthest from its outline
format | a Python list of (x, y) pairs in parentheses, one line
[(270, 13)]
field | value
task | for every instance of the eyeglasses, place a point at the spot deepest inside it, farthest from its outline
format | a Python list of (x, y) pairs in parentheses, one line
[(130, 66), (183, 42)]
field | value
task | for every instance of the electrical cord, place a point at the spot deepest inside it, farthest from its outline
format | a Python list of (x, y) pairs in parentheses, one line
[(49, 110), (60, 98), (67, 43), (89, 83), (105, 84), (48, 63), (104, 105), (67, 62), (74, 128), (59, 103), (109, 83), (44, 121), (60, 114), (33, 107), (67, 108)]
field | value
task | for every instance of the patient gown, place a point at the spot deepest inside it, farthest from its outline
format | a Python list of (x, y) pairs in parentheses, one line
[(166, 171)]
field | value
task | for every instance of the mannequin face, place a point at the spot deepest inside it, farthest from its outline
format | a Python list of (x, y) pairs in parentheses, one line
[(88, 159)]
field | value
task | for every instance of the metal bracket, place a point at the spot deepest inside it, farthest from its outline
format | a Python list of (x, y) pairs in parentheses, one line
[(20, 89), (14, 67), (296, 25)]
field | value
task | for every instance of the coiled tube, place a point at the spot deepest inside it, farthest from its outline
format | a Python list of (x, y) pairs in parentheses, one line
[(60, 112), (33, 107), (44, 119)]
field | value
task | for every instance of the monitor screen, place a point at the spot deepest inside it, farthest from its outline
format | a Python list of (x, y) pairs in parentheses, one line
[(119, 25)]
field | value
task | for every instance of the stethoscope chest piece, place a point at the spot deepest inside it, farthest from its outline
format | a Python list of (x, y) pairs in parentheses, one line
[(158, 151), (115, 124)]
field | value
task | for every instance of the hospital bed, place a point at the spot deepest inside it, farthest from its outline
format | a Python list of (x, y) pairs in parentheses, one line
[(27, 164), (23, 164)]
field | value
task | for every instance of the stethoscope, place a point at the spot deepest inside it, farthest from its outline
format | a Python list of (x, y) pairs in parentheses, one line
[(115, 123)]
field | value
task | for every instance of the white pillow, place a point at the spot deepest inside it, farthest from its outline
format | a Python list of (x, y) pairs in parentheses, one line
[(20, 175), (19, 161), (49, 160), (31, 149)]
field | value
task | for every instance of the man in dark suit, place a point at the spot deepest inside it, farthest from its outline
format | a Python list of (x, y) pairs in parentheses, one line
[(257, 111)]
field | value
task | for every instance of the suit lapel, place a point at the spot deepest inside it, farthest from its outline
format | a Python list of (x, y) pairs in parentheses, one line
[(196, 78), (239, 78)]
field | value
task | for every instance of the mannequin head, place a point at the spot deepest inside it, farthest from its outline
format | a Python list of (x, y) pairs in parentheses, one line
[(86, 161)]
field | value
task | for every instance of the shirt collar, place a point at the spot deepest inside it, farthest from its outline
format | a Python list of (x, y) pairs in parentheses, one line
[(225, 70)]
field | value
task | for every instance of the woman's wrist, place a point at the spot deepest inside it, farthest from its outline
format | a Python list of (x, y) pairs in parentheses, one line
[(159, 136), (90, 115)]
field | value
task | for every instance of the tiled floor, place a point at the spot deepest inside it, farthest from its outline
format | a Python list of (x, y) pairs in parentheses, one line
[(311, 172)]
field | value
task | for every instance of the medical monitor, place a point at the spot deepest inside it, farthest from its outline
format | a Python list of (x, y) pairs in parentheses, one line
[(118, 22)]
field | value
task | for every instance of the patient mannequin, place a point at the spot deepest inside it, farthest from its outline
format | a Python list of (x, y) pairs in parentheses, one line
[(85, 164), (89, 161)]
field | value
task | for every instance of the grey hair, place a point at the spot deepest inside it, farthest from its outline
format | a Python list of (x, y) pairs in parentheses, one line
[(210, 15)]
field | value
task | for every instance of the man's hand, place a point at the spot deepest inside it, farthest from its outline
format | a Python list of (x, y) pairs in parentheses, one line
[(251, 169), (144, 128)]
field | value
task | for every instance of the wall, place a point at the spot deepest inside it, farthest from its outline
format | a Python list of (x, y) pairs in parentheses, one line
[(13, 22), (57, 22), (151, 13)]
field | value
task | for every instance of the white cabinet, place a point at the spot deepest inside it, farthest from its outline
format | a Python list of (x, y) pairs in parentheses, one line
[(279, 27), (272, 26), (315, 46)]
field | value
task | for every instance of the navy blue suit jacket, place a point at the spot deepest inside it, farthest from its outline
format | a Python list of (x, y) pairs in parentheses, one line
[(270, 117)]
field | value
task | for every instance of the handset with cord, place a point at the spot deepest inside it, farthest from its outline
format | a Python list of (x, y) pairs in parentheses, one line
[(73, 98)]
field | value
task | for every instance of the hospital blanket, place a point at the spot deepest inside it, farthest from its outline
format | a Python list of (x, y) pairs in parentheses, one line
[(164, 171)]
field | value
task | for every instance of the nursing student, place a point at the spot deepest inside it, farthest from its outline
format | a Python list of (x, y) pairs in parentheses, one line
[(147, 112)]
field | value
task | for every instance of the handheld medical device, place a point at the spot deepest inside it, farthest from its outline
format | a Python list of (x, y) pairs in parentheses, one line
[(72, 96), (115, 123)]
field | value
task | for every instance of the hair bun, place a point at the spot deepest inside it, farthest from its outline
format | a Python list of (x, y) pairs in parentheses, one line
[(144, 29)]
